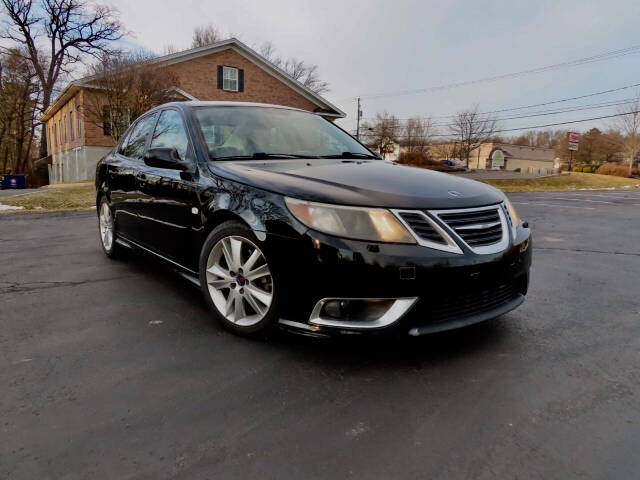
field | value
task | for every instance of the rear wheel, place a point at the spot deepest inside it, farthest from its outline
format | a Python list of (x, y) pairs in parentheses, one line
[(237, 280), (107, 229)]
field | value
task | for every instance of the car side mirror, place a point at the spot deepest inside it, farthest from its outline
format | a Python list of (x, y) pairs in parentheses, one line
[(165, 158)]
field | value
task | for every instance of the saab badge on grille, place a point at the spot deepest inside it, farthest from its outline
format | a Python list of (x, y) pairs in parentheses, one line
[(453, 193)]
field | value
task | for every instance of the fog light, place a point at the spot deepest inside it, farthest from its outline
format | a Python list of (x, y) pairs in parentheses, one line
[(364, 310), (524, 245), (360, 313)]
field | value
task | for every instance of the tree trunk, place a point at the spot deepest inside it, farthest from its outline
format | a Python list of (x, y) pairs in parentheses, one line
[(46, 100)]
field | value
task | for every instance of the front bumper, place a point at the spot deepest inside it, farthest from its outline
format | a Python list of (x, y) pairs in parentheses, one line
[(452, 290)]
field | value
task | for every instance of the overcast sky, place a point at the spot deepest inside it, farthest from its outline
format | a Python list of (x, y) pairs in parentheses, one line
[(379, 47)]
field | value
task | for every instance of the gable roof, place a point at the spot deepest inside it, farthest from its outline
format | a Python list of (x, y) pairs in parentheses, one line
[(324, 107)]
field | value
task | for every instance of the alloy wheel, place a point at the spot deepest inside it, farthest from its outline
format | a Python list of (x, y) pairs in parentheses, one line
[(239, 281), (106, 226)]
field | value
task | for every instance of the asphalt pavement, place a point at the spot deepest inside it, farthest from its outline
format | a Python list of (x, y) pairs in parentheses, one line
[(114, 369)]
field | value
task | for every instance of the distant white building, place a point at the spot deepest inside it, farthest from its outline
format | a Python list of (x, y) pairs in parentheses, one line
[(506, 156)]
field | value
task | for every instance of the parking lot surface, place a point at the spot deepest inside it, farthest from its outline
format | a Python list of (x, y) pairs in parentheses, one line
[(114, 369)]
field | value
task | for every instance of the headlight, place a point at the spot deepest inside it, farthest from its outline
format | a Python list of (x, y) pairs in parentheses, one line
[(372, 224), (512, 212)]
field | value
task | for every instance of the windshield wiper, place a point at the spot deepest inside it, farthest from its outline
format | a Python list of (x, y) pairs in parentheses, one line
[(351, 155), (262, 156)]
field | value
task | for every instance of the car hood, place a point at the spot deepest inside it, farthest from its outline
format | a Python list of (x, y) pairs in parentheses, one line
[(374, 183)]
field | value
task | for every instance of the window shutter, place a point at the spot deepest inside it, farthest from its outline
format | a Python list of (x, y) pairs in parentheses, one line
[(240, 80), (220, 77)]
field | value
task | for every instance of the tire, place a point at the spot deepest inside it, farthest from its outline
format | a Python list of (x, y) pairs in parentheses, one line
[(237, 280), (107, 230)]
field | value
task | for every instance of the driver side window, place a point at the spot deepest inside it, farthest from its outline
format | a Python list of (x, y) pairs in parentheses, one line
[(170, 133)]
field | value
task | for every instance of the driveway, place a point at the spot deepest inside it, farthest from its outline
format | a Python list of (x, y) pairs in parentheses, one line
[(114, 369)]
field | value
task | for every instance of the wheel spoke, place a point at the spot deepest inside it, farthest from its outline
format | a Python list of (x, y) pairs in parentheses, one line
[(219, 271), (248, 265), (239, 312), (254, 304), (231, 299), (236, 249), (261, 271), (218, 284), (259, 294), (226, 250)]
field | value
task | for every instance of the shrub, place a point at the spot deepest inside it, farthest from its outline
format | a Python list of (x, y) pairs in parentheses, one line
[(576, 169), (413, 158), (613, 169), (588, 169)]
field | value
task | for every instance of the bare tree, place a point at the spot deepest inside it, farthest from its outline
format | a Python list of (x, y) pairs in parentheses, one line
[(205, 35), (55, 34), (417, 134), (629, 125), (302, 72), (471, 129), (383, 132), (445, 150), (126, 86), (19, 95)]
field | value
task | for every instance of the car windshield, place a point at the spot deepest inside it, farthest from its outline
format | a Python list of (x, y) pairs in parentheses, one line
[(264, 132)]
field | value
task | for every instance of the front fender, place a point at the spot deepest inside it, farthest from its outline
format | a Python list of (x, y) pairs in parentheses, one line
[(263, 211)]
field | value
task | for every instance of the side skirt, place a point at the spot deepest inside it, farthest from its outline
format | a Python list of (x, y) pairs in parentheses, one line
[(183, 271)]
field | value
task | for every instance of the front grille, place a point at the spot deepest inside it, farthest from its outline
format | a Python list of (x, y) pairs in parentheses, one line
[(439, 309), (421, 227), (477, 228)]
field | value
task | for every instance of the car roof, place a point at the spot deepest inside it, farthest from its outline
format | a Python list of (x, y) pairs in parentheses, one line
[(199, 103)]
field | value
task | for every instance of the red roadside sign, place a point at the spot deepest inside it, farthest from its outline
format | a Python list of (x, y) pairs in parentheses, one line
[(574, 139)]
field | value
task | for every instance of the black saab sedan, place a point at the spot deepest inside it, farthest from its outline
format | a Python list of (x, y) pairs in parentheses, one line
[(283, 219)]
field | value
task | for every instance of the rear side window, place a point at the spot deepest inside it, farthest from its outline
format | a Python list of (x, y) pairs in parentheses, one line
[(170, 133), (134, 147)]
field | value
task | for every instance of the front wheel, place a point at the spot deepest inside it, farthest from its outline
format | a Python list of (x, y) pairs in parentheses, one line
[(237, 280)]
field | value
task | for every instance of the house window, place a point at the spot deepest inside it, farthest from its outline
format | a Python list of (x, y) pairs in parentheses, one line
[(230, 79), (71, 126), (78, 121), (59, 132), (106, 121)]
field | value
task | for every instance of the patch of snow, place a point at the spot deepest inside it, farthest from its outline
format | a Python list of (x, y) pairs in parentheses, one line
[(9, 207)]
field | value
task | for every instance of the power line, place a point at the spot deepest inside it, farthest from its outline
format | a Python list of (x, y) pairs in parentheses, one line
[(533, 127), (541, 113), (571, 63), (523, 107)]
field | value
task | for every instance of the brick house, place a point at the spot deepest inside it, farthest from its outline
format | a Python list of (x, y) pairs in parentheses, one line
[(226, 71)]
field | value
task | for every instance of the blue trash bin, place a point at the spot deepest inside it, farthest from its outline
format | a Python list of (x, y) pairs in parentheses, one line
[(14, 181)]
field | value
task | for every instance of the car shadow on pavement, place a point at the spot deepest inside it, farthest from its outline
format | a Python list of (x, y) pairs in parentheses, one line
[(354, 350)]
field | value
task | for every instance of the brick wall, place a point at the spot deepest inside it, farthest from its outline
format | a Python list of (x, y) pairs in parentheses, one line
[(70, 127), (198, 77)]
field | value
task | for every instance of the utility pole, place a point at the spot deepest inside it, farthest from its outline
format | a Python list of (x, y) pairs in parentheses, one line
[(359, 114)]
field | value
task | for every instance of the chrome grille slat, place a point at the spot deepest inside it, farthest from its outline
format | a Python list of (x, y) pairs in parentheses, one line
[(477, 227), (422, 227)]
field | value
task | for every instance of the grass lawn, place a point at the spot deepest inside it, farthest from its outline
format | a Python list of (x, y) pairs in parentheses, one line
[(573, 181), (70, 196)]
